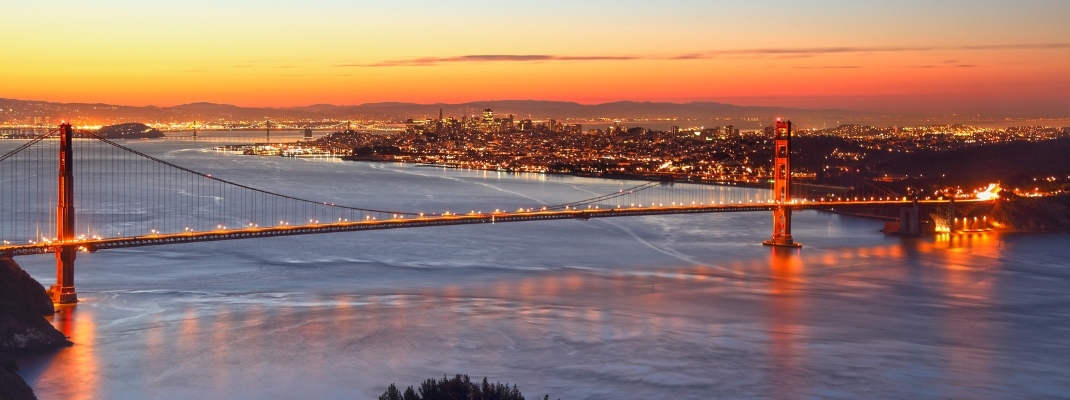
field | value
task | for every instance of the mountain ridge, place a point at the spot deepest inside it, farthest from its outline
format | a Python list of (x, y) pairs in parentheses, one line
[(402, 110)]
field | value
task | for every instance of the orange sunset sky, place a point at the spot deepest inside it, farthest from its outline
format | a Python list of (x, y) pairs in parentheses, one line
[(942, 56)]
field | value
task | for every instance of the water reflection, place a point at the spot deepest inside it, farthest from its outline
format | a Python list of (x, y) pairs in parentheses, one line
[(970, 339), (71, 373), (780, 323), (787, 371)]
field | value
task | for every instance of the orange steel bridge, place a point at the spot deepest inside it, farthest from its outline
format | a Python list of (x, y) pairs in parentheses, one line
[(48, 203)]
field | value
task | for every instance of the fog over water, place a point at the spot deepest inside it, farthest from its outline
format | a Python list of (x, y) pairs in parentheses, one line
[(686, 306)]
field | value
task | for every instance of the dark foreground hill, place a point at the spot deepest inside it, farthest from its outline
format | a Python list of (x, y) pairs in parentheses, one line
[(23, 303), (23, 329), (12, 387)]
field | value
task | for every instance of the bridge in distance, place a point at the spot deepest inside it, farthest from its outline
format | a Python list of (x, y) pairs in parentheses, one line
[(79, 204)]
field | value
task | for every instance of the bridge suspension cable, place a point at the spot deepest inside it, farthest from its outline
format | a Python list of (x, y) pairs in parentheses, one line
[(121, 192)]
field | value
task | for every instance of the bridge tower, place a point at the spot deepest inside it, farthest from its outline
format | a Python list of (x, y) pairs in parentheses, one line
[(782, 188), (63, 291)]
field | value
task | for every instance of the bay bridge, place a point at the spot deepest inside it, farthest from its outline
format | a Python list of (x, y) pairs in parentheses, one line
[(69, 191)]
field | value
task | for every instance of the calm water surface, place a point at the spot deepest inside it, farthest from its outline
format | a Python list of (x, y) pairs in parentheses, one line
[(635, 308)]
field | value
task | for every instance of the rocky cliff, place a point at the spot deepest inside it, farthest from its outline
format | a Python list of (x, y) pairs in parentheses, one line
[(1039, 214), (12, 387), (23, 305)]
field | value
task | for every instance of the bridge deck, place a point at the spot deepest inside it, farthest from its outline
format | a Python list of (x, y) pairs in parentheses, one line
[(92, 245)]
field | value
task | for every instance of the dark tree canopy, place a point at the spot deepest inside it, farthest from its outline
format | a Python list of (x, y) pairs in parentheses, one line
[(460, 387)]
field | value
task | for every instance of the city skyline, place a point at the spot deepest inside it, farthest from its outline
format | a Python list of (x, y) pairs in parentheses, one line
[(911, 56)]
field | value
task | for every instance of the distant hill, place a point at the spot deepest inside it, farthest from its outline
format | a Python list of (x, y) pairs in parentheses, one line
[(19, 111), (394, 110), (566, 109), (132, 130)]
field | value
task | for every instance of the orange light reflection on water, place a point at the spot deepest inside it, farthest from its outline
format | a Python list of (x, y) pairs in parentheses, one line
[(968, 286), (74, 372), (787, 373), (600, 311), (221, 343)]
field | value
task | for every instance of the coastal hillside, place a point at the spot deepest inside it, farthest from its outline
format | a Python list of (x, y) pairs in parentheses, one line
[(1012, 163), (1036, 214), (23, 328), (23, 305)]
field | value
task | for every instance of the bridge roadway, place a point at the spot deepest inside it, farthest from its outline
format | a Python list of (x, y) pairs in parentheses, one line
[(92, 245)]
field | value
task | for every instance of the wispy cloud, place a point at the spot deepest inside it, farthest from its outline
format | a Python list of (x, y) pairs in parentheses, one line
[(826, 67), (943, 66), (779, 53), (425, 61)]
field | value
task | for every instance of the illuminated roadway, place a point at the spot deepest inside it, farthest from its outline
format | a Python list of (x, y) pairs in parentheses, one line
[(92, 245)]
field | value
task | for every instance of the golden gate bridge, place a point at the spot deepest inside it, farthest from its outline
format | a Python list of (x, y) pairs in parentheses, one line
[(70, 191)]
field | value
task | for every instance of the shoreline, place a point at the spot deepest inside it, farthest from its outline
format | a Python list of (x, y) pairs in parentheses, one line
[(759, 183), (667, 178)]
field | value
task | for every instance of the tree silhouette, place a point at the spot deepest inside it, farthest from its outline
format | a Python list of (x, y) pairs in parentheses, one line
[(459, 387)]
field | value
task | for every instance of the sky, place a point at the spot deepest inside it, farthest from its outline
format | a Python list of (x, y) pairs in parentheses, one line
[(903, 56)]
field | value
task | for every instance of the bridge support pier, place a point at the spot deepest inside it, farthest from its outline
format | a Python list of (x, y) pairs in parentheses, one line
[(782, 229), (908, 220), (63, 291), (782, 188), (951, 216)]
